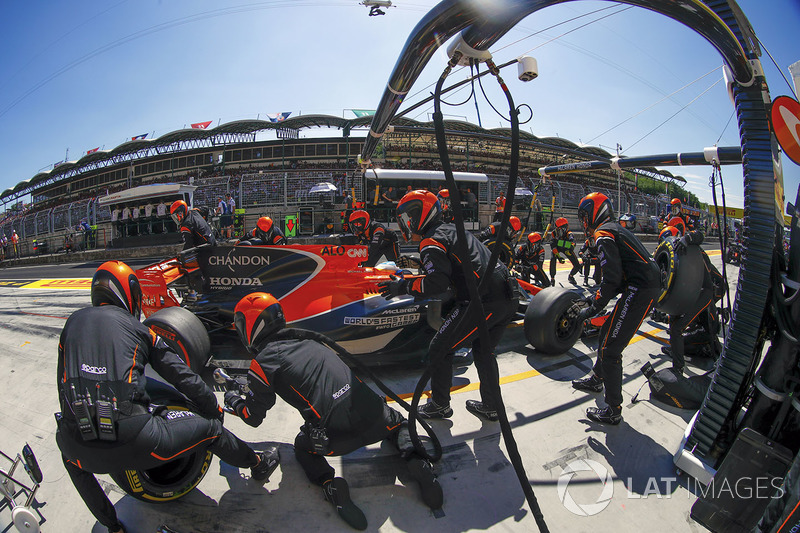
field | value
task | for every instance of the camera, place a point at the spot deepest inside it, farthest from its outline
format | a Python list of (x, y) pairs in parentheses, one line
[(527, 68)]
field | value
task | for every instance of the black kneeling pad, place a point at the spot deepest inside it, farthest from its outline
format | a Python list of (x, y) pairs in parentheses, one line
[(676, 389)]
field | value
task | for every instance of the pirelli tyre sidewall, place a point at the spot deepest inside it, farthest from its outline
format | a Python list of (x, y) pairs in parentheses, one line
[(547, 326), (184, 333), (681, 276), (506, 251), (169, 481)]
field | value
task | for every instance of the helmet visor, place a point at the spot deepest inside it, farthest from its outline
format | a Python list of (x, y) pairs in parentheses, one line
[(404, 221)]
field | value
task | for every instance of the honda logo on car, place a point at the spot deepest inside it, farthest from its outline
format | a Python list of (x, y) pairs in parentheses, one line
[(382, 322), (234, 282), (359, 251)]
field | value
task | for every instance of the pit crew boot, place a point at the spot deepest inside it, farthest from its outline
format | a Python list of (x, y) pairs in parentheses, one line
[(606, 415), (421, 471), (571, 279), (434, 410), (481, 410), (590, 384), (338, 493), (268, 462)]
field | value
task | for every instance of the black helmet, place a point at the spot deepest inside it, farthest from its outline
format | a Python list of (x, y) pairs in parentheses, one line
[(257, 316), (115, 283), (594, 209), (417, 212), (359, 220)]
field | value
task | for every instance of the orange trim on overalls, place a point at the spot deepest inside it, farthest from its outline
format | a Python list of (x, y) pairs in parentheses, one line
[(182, 451), (470, 333), (306, 400), (257, 370), (133, 364)]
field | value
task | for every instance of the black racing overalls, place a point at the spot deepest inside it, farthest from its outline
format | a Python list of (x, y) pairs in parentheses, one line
[(588, 254), (629, 271), (381, 242), (531, 258), (196, 231), (710, 291), (441, 266), (274, 236), (311, 378), (563, 245), (102, 352)]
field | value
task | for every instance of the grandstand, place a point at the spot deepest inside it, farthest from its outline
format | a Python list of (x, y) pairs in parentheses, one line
[(275, 175)]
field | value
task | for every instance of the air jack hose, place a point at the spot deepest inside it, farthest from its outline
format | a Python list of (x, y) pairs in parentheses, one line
[(475, 307)]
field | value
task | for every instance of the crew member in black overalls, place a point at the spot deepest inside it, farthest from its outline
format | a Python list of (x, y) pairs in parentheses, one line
[(676, 210), (419, 218), (341, 412), (711, 291), (381, 241), (102, 353), (530, 256), (447, 211), (194, 228), (562, 242), (264, 234), (490, 235), (588, 255), (628, 271)]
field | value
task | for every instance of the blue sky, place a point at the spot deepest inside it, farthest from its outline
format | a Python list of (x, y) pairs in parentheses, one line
[(85, 74)]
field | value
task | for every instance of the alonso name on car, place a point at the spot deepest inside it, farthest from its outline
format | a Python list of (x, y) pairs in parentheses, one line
[(342, 250)]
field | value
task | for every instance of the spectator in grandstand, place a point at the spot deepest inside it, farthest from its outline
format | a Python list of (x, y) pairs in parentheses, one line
[(228, 229), (381, 241), (562, 242), (116, 222), (265, 233), (499, 206)]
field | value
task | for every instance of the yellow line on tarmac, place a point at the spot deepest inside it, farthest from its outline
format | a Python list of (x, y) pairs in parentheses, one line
[(528, 373)]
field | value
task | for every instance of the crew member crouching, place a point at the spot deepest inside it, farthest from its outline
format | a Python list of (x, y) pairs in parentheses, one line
[(381, 241), (264, 234)]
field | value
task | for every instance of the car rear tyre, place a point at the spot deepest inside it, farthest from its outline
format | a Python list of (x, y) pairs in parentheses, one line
[(506, 251), (184, 333), (548, 325), (681, 277)]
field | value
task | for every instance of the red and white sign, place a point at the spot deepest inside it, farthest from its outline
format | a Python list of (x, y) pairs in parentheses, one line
[(201, 125), (784, 116)]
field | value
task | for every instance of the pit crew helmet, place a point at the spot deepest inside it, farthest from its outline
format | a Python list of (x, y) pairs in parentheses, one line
[(668, 231), (417, 212), (562, 227), (115, 283), (534, 238), (178, 211), (676, 207), (515, 225), (594, 209), (257, 317), (677, 222), (359, 220), (263, 226)]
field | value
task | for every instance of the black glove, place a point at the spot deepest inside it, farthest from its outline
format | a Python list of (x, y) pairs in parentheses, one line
[(233, 401), (396, 287), (589, 311), (405, 261), (560, 259), (683, 242)]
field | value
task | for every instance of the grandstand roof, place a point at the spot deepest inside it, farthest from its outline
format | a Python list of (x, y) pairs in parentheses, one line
[(232, 132)]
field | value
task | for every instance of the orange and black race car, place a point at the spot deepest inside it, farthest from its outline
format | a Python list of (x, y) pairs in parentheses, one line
[(322, 289)]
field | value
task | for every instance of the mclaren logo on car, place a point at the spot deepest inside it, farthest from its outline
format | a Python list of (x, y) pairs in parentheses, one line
[(231, 260)]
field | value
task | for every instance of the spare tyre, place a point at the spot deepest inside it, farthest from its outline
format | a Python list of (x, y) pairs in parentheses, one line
[(173, 479), (184, 333), (551, 325), (681, 276), (506, 251)]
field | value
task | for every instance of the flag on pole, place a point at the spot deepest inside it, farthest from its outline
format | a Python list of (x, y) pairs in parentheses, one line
[(363, 112), (278, 117), (93, 150), (142, 136), (201, 125)]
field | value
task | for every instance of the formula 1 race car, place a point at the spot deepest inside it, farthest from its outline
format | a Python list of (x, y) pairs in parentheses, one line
[(321, 288)]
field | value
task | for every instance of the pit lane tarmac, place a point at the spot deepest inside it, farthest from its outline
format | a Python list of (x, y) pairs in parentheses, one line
[(624, 477)]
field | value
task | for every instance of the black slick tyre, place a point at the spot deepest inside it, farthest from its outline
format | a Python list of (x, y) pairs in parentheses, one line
[(184, 333), (548, 326), (681, 276)]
